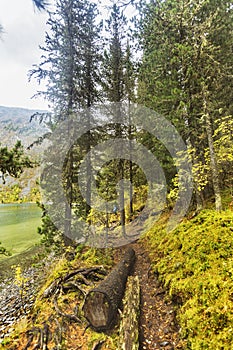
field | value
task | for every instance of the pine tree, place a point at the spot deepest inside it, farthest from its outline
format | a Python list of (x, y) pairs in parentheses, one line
[(13, 161), (184, 51), (70, 65), (40, 4), (129, 80), (114, 87)]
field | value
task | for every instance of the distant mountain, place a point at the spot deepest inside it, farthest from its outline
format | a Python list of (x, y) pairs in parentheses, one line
[(15, 125)]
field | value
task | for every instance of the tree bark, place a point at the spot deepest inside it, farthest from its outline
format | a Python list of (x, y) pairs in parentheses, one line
[(213, 161), (102, 303), (129, 326)]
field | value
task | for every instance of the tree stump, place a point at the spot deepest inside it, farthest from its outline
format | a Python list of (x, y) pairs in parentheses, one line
[(102, 303)]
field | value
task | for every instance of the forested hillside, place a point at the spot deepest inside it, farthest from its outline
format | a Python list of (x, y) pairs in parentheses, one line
[(139, 155), (18, 124)]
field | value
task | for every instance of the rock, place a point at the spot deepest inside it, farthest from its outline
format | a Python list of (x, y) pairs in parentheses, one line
[(165, 343), (12, 305)]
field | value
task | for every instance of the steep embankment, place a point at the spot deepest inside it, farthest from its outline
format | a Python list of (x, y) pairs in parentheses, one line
[(195, 264), (57, 315)]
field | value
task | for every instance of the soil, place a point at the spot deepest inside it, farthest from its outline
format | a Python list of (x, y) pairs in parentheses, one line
[(158, 326)]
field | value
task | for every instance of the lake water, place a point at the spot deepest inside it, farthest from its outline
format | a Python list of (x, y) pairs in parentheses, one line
[(18, 226)]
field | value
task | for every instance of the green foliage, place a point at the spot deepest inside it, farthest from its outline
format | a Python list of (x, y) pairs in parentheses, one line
[(224, 148), (113, 60), (184, 45), (51, 237), (4, 251), (10, 194), (195, 262), (13, 161), (14, 194), (21, 282), (94, 256)]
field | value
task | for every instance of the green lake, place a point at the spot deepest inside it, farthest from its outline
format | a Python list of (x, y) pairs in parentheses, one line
[(18, 226)]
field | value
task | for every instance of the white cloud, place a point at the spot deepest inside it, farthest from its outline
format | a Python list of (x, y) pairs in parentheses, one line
[(24, 30)]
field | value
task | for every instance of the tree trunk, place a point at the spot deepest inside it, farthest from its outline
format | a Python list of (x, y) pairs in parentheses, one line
[(102, 303), (122, 197), (213, 162), (129, 326), (69, 199)]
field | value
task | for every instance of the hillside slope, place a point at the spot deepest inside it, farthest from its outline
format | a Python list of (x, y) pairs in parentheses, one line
[(15, 125), (194, 263), (195, 268)]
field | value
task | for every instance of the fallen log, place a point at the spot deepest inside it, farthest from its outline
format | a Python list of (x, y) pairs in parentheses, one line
[(129, 324), (102, 303)]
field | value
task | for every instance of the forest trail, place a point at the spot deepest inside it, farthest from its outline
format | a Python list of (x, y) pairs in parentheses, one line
[(158, 326)]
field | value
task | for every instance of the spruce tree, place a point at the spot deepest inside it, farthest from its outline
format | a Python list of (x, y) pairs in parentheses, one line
[(70, 65), (40, 4), (13, 161), (185, 60), (114, 87)]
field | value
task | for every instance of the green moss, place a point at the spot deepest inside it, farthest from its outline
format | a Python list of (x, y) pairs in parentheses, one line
[(195, 262), (92, 256)]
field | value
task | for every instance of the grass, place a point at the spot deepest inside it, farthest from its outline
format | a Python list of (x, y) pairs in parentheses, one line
[(195, 263)]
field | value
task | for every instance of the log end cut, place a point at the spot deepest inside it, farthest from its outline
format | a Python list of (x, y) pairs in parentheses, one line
[(98, 310), (102, 303)]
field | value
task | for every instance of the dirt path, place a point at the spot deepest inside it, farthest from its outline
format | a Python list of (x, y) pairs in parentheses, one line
[(158, 326)]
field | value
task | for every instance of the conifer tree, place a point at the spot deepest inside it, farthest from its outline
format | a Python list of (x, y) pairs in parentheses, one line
[(185, 60), (114, 87), (40, 4), (13, 161), (70, 65)]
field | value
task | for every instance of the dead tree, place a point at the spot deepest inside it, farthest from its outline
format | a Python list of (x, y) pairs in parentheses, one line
[(129, 325), (102, 303)]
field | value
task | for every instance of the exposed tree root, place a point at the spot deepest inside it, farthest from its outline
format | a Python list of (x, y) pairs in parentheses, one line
[(70, 317)]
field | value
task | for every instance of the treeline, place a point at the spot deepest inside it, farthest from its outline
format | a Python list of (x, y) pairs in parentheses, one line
[(186, 74), (13, 163), (16, 194), (173, 57)]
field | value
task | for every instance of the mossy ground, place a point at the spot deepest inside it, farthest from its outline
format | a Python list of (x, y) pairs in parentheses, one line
[(72, 335), (195, 262)]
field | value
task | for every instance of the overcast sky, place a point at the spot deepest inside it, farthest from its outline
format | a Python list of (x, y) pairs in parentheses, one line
[(24, 30)]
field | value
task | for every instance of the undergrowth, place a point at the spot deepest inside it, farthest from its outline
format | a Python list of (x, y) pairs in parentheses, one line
[(195, 263), (71, 335)]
